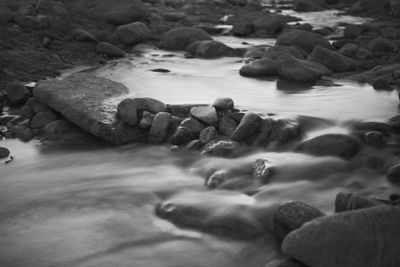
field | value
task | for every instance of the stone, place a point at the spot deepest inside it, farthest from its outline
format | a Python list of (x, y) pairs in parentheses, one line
[(208, 134), (133, 33), (227, 125), (262, 136), (22, 133), (305, 40), (83, 35), (247, 126), (42, 118), (110, 50), (259, 68), (17, 93), (366, 237), (263, 170), (58, 127), (285, 131), (210, 49), (90, 102), (352, 31), (181, 110), (6, 119), (339, 145), (216, 179), (129, 109), (159, 129), (381, 44), (220, 148), (147, 120), (349, 49), (28, 22), (374, 138), (277, 51), (206, 114), (350, 201), (332, 60), (174, 16), (187, 131), (237, 2), (179, 38), (223, 104), (4, 152), (292, 215), (363, 54), (194, 145), (242, 29), (307, 5), (393, 174), (298, 70), (125, 12), (271, 23)]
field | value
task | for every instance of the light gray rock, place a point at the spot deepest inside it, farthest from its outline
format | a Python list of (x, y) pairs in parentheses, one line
[(206, 114)]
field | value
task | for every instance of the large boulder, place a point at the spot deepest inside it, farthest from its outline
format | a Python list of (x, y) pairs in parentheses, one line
[(179, 38), (159, 128), (368, 237), (259, 68), (339, 145), (133, 33), (277, 51), (332, 60), (271, 23), (247, 126), (210, 49), (293, 69), (303, 39), (110, 50), (91, 103)]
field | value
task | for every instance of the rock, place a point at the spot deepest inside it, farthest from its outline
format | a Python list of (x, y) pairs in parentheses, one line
[(293, 69), (4, 152), (133, 33), (187, 131), (82, 35), (242, 29), (227, 125), (22, 133), (6, 15), (284, 131), (129, 109), (159, 128), (6, 119), (364, 54), (216, 179), (206, 114), (263, 170), (374, 138), (271, 23), (247, 126), (277, 51), (16, 93), (147, 120), (308, 5), (174, 16), (181, 110), (237, 2), (349, 50), (367, 237), (194, 145), (41, 119), (262, 136), (332, 60), (58, 127), (210, 49), (110, 50), (338, 145), (91, 103), (220, 148), (223, 104), (125, 12), (208, 134), (305, 40), (259, 68), (27, 112), (352, 31), (180, 38), (28, 22), (381, 45), (292, 215), (393, 174), (285, 263), (350, 201)]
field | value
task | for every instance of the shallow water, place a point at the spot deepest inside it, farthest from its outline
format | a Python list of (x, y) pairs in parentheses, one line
[(95, 206)]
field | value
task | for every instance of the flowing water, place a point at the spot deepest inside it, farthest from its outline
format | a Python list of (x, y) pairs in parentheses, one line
[(95, 206)]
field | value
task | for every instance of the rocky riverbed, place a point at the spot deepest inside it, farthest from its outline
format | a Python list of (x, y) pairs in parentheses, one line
[(199, 133)]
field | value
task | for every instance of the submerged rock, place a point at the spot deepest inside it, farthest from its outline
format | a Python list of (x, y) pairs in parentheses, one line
[(91, 103), (303, 39), (180, 38), (263, 170)]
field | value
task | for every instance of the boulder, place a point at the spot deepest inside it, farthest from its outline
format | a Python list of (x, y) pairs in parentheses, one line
[(284, 131), (147, 120), (208, 134), (259, 68), (263, 169), (91, 103), (305, 40), (42, 118), (366, 237), (210, 49), (129, 109), (16, 93), (332, 60), (293, 69), (277, 51), (220, 148), (179, 38), (110, 50), (242, 29), (352, 31), (206, 114), (292, 215), (381, 44), (223, 104), (4, 152), (227, 125), (174, 16), (125, 12), (159, 129), (308, 5), (339, 145), (271, 23), (187, 131), (247, 126), (393, 174), (350, 201), (133, 33), (349, 50)]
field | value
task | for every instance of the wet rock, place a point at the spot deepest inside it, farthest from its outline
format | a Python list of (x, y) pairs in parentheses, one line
[(293, 69), (174, 16), (285, 263), (338, 145), (159, 128), (223, 103), (58, 127), (393, 174), (350, 201), (147, 120), (208, 134), (271, 23), (206, 114), (181, 110), (4, 152), (284, 131), (22, 133), (227, 125), (262, 136), (6, 119), (187, 131), (237, 2), (242, 29), (374, 138), (259, 68), (129, 109), (220, 148), (247, 126), (332, 60), (125, 12), (307, 41), (210, 49), (180, 38), (194, 145), (292, 215), (216, 179), (263, 170), (133, 33), (349, 50), (110, 50), (91, 103), (308, 5), (277, 51), (41, 119), (16, 93), (366, 237), (83, 35), (381, 45), (352, 31)]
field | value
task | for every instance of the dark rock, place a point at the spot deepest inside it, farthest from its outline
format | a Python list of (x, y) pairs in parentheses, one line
[(187, 131), (338, 145), (160, 70), (366, 237), (110, 50), (28, 22), (285, 131), (277, 51), (349, 49), (292, 215), (6, 119), (381, 45), (259, 68), (262, 136), (210, 49), (303, 39), (194, 145), (271, 23), (393, 174), (216, 179), (42, 118), (363, 54), (82, 35), (159, 128), (129, 109), (206, 114), (242, 28), (220, 148), (374, 138), (285, 263), (58, 127), (174, 16), (223, 103), (263, 170), (181, 110), (350, 201), (125, 12), (180, 38), (332, 60), (227, 125), (22, 133), (237, 2), (308, 5), (4, 152), (16, 93), (352, 31), (208, 134), (133, 33), (147, 120), (247, 126)]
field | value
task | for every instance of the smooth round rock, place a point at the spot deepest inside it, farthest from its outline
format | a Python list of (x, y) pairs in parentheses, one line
[(208, 134), (223, 103), (110, 50), (4, 152), (394, 174), (41, 119), (16, 93), (247, 126), (159, 128), (206, 114)]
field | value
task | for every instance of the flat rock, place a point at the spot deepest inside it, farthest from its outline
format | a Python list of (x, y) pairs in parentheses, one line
[(206, 114), (91, 103)]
